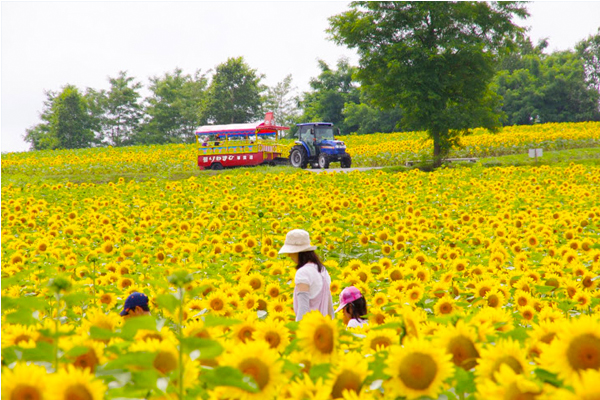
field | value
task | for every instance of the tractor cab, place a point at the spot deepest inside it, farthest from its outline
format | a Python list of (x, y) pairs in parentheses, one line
[(317, 145)]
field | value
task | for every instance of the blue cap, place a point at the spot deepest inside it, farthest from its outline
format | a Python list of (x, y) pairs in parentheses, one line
[(135, 299)]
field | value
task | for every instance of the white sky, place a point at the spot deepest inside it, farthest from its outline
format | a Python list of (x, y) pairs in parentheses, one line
[(46, 45)]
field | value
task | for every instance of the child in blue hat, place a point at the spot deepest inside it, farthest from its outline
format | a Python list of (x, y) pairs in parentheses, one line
[(136, 305)]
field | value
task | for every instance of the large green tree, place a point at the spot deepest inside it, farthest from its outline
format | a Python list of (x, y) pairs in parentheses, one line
[(433, 59), (235, 93), (66, 122), (331, 91), (174, 109), (119, 110)]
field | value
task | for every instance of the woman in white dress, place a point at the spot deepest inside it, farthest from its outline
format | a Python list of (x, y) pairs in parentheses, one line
[(312, 281)]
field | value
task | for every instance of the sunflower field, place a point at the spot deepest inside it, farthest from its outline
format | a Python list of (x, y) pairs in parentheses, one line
[(481, 283), (378, 149)]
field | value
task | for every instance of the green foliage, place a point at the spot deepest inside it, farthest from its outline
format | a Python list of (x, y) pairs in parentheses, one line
[(119, 111), (540, 88), (369, 119), (283, 102), (588, 51), (174, 109), (331, 91), (433, 59), (234, 94), (66, 122)]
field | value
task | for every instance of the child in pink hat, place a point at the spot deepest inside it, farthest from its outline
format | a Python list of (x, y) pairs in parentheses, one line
[(355, 307)]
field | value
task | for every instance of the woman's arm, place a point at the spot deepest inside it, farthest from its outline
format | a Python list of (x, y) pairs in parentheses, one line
[(303, 300)]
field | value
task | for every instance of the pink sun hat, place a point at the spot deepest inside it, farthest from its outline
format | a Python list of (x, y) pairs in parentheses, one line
[(347, 296)]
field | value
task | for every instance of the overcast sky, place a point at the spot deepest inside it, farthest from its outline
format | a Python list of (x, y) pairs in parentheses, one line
[(46, 45)]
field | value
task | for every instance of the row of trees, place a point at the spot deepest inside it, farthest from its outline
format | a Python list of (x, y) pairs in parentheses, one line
[(443, 67)]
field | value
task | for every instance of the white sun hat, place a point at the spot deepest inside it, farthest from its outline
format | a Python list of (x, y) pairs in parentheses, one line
[(296, 241)]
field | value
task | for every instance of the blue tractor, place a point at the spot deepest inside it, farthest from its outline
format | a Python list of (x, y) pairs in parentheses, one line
[(316, 145)]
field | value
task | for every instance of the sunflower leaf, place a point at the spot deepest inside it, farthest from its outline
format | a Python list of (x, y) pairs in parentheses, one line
[(127, 392), (213, 320), (132, 325), (229, 376), (43, 351), (77, 351), (30, 303), (319, 371), (101, 333), (22, 316), (519, 334), (208, 348), (377, 366), (465, 381), (168, 301), (75, 299), (544, 289), (548, 377), (137, 358)]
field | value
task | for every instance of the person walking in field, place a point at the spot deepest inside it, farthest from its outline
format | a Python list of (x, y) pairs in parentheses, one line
[(312, 281), (355, 307)]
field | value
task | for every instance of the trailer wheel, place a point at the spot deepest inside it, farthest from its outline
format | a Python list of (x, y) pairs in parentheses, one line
[(216, 166), (346, 161), (298, 157), (323, 161)]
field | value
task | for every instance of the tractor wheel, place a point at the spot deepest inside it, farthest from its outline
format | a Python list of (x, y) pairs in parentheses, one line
[(346, 161), (216, 166), (323, 161), (298, 157)]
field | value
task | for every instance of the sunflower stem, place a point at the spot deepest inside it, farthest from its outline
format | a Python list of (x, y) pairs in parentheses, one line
[(56, 320), (94, 278), (180, 329)]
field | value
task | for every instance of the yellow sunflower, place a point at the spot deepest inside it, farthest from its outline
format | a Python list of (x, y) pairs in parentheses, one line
[(72, 383), (166, 359), (305, 388), (24, 382), (348, 374), (19, 335), (505, 351), (274, 333), (585, 386), (260, 362), (216, 303), (380, 339), (244, 332), (508, 384), (90, 359), (318, 336), (576, 348), (460, 342), (445, 306), (97, 318), (417, 369), (107, 300)]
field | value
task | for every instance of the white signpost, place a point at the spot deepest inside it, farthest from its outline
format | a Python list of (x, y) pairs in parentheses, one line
[(535, 153)]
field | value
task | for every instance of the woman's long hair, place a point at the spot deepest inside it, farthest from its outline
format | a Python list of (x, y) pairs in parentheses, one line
[(358, 308), (305, 257)]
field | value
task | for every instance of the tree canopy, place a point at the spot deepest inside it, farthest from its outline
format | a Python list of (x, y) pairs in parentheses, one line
[(67, 123), (433, 59), (235, 93)]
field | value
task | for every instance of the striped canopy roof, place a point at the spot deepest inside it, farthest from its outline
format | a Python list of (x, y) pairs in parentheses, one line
[(239, 129)]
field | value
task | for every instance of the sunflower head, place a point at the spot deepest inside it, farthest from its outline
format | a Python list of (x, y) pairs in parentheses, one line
[(417, 369), (318, 335)]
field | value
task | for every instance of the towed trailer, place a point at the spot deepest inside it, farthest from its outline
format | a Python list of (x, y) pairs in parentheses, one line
[(239, 145)]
